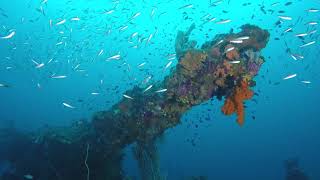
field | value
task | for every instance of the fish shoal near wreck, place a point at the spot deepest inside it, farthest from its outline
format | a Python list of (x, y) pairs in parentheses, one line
[(143, 115)]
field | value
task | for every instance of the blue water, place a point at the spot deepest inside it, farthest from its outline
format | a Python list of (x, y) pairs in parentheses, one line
[(285, 125)]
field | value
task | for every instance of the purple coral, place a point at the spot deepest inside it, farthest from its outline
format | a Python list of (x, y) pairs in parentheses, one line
[(184, 88), (253, 68)]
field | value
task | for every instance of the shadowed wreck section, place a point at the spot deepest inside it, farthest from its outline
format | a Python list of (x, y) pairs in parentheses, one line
[(223, 67)]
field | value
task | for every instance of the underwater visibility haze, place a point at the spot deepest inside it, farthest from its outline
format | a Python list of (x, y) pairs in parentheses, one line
[(159, 90)]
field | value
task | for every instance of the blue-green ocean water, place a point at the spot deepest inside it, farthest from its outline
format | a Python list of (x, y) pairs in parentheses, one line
[(281, 122)]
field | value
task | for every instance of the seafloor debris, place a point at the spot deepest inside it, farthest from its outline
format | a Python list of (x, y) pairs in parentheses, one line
[(223, 67), (293, 171)]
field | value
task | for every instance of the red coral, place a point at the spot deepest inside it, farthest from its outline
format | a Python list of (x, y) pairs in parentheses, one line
[(234, 103)]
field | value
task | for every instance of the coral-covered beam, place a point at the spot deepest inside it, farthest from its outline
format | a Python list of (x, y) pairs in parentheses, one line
[(223, 67)]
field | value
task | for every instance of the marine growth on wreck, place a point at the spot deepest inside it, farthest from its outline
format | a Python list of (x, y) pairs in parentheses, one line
[(223, 68)]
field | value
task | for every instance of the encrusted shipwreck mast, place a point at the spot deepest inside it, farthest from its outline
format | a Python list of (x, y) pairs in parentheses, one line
[(223, 67)]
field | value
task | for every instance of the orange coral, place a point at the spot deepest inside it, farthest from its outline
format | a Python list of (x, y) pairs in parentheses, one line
[(227, 65), (234, 103), (233, 54), (219, 72)]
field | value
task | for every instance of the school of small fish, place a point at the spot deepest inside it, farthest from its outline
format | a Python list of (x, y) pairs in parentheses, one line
[(124, 36)]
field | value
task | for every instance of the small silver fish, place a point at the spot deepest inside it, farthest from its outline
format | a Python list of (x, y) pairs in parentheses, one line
[(68, 105), (293, 57), (152, 12), (313, 10), (123, 28), (224, 21), (161, 90), (171, 58), (296, 56), (39, 65), (109, 12), (234, 62), (230, 49), (186, 6), (58, 77), (50, 61), (167, 66), (59, 43), (115, 57), (149, 38), (288, 30), (301, 34), (243, 38), (3, 85), (306, 82), (216, 3), (128, 97), (236, 41), (9, 35), (308, 44), (75, 19), (146, 80), (290, 76), (142, 64), (172, 55), (212, 19), (77, 66), (206, 16), (61, 22), (288, 18), (134, 35), (148, 88), (313, 23), (135, 15), (312, 32), (101, 52), (221, 41)]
